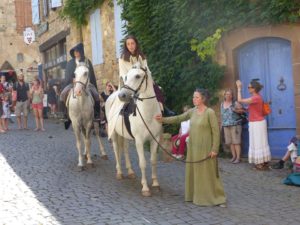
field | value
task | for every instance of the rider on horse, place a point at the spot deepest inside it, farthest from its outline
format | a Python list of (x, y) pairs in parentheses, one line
[(77, 54)]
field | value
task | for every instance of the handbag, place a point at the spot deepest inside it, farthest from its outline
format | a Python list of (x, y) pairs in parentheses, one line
[(266, 108)]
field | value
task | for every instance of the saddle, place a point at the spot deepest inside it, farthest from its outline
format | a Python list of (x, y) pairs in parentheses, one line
[(126, 111)]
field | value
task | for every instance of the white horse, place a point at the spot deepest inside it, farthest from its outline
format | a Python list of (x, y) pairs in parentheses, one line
[(137, 88), (80, 104)]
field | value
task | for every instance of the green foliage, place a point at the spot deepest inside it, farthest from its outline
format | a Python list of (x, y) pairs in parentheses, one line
[(78, 10), (206, 48), (179, 37)]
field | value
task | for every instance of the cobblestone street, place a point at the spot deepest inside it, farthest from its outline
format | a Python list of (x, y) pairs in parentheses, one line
[(40, 185)]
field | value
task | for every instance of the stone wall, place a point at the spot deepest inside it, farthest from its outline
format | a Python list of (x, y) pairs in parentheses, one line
[(12, 44), (108, 71)]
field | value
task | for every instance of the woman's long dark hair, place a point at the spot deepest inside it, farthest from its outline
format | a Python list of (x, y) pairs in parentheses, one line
[(126, 53)]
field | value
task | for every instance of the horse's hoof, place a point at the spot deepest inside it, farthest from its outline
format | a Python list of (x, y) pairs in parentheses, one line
[(79, 168), (104, 157), (119, 176), (131, 176), (146, 193), (90, 165), (155, 188)]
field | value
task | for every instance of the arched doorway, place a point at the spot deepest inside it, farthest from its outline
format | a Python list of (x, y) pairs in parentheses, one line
[(270, 60), (8, 71)]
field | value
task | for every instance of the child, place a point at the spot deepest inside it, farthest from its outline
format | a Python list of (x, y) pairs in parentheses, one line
[(6, 111), (291, 153)]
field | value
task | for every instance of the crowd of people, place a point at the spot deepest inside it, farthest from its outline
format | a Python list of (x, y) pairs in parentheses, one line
[(198, 138)]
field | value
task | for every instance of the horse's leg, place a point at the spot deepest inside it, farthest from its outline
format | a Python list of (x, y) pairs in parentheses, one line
[(142, 162), (77, 133), (153, 149), (101, 147), (116, 146), (87, 142), (130, 172)]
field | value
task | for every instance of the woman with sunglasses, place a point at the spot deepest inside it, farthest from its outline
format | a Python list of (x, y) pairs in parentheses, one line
[(259, 150)]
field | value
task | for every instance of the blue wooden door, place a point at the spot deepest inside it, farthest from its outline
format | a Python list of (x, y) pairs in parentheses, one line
[(269, 59)]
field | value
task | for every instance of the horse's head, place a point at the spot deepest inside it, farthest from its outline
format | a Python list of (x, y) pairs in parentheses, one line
[(135, 82), (81, 79)]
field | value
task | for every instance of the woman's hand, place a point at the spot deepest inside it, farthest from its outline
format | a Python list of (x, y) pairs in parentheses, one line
[(158, 118), (238, 84), (212, 154)]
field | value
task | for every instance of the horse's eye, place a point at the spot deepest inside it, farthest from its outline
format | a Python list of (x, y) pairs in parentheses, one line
[(138, 76)]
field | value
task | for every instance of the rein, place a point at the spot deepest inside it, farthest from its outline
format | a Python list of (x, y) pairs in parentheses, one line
[(168, 153), (84, 85)]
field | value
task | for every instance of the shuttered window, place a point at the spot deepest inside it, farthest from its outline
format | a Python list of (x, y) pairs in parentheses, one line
[(119, 30), (96, 35), (35, 12)]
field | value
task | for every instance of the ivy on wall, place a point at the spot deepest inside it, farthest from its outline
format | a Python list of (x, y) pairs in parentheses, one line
[(78, 10), (179, 37)]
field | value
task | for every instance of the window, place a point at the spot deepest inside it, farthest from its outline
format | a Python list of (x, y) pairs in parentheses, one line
[(119, 27), (96, 35), (35, 12)]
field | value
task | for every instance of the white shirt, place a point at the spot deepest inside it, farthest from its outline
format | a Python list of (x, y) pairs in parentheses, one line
[(293, 149), (185, 126)]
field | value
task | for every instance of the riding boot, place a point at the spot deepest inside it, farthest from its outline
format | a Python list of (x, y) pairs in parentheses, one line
[(97, 110), (66, 118)]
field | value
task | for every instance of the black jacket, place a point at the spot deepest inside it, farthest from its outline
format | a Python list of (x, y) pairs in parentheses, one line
[(71, 66)]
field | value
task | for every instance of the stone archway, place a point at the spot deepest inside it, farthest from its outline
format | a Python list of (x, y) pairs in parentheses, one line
[(9, 72)]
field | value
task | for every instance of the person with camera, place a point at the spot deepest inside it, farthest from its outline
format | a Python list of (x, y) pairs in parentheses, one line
[(232, 124)]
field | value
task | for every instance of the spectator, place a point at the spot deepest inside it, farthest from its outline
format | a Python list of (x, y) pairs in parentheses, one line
[(37, 95), (52, 98), (6, 111), (203, 185), (179, 140), (232, 125), (109, 89), (21, 89), (259, 150), (291, 153)]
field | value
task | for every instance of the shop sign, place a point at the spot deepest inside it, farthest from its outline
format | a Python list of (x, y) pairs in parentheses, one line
[(29, 36)]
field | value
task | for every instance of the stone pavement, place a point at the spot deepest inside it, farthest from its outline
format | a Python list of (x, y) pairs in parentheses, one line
[(40, 185)]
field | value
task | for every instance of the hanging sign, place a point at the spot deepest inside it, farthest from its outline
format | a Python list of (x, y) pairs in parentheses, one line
[(29, 35)]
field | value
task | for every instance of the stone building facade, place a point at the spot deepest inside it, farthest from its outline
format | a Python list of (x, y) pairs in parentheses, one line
[(15, 55), (56, 37)]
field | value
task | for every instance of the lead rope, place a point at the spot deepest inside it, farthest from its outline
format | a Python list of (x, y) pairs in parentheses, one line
[(184, 161)]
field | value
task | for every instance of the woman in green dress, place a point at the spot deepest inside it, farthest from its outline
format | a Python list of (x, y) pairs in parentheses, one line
[(203, 185)]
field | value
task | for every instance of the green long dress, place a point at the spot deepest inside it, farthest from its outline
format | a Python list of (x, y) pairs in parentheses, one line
[(203, 185)]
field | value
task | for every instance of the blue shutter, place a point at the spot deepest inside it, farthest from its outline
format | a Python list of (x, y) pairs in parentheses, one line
[(119, 27), (45, 8), (35, 12), (56, 3), (96, 35)]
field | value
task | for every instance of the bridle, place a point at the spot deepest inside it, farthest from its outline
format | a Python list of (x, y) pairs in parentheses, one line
[(136, 91), (84, 85)]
